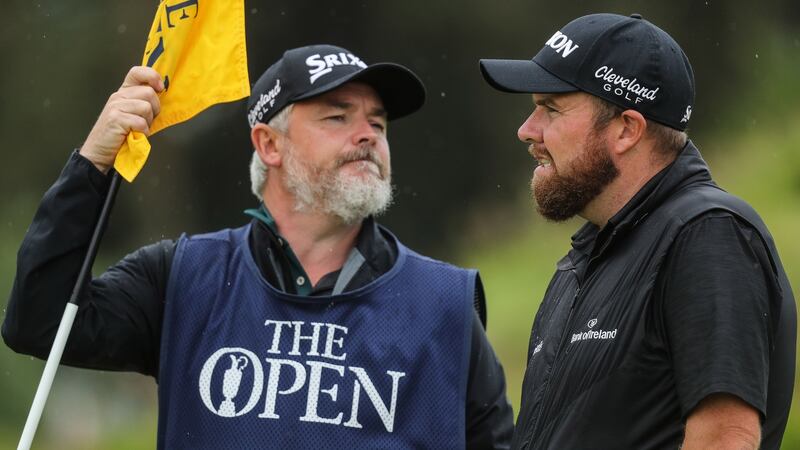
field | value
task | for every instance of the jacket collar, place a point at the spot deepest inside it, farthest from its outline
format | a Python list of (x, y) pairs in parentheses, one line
[(688, 168)]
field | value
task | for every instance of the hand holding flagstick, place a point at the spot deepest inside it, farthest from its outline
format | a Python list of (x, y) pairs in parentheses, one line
[(129, 111), (203, 60), (132, 108)]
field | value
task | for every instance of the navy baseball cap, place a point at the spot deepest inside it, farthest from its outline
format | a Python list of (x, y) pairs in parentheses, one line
[(626, 60), (305, 72)]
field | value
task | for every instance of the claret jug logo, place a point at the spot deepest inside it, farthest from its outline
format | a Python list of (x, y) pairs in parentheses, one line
[(305, 363)]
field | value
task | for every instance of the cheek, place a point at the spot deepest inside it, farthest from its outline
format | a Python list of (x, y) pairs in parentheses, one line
[(382, 149), (565, 144)]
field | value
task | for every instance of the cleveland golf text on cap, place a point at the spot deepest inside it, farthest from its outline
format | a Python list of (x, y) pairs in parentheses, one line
[(627, 61)]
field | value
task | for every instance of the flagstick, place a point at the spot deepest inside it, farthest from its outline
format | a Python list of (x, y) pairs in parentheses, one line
[(64, 328)]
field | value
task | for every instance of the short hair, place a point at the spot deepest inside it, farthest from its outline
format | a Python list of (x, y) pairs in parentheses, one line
[(258, 170), (669, 140)]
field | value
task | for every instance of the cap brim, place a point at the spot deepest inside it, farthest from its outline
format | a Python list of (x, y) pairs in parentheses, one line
[(522, 76), (401, 91)]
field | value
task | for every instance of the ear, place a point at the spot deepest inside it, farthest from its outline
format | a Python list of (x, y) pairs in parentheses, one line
[(627, 131), (266, 142)]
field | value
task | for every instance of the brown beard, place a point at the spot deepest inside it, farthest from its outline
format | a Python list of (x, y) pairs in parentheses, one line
[(561, 197)]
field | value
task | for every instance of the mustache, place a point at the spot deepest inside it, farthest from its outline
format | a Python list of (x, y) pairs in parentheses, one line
[(538, 151), (362, 153)]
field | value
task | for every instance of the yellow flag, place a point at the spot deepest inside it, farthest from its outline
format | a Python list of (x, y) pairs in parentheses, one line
[(198, 47)]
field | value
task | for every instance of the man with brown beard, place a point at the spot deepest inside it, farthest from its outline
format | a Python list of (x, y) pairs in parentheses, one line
[(311, 326), (670, 323)]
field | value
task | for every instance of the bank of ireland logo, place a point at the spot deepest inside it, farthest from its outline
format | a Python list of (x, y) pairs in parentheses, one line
[(593, 335), (237, 362)]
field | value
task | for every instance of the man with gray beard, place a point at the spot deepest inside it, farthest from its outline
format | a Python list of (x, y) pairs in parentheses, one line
[(311, 326)]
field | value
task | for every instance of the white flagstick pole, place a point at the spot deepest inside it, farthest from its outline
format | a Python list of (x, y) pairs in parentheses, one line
[(49, 373), (43, 391)]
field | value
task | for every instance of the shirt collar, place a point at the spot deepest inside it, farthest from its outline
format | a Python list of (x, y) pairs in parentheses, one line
[(298, 274), (377, 249)]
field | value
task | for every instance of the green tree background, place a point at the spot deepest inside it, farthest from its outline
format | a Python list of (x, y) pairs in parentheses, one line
[(461, 175)]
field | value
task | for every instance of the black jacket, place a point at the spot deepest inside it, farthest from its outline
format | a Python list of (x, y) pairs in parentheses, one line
[(680, 296)]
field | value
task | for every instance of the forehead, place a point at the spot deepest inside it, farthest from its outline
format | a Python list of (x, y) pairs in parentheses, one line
[(564, 98), (350, 94)]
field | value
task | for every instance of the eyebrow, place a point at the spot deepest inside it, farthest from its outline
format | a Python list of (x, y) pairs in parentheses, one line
[(338, 104), (545, 99)]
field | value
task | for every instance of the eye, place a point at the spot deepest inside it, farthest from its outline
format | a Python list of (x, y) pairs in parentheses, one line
[(549, 108), (336, 118), (380, 126)]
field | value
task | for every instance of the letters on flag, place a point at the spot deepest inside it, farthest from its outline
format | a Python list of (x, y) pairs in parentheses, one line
[(198, 48)]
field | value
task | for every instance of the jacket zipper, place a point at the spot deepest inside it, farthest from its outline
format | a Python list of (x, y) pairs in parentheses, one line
[(556, 361), (564, 333)]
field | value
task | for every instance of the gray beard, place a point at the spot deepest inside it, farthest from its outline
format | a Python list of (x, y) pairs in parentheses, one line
[(351, 199)]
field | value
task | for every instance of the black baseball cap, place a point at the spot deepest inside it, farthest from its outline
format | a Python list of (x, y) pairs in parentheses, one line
[(626, 60), (305, 72)]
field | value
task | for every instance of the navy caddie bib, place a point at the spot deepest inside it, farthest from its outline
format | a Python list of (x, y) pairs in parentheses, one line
[(245, 366)]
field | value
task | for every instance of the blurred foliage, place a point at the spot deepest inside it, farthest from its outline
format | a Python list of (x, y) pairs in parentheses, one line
[(461, 175)]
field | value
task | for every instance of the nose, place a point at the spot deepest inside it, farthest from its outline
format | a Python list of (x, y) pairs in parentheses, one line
[(530, 131)]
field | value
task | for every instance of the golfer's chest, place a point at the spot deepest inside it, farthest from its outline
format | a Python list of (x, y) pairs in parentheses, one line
[(586, 330)]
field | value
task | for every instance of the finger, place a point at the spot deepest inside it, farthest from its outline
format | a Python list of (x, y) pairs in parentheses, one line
[(142, 75), (109, 133), (125, 123), (145, 93), (141, 108)]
